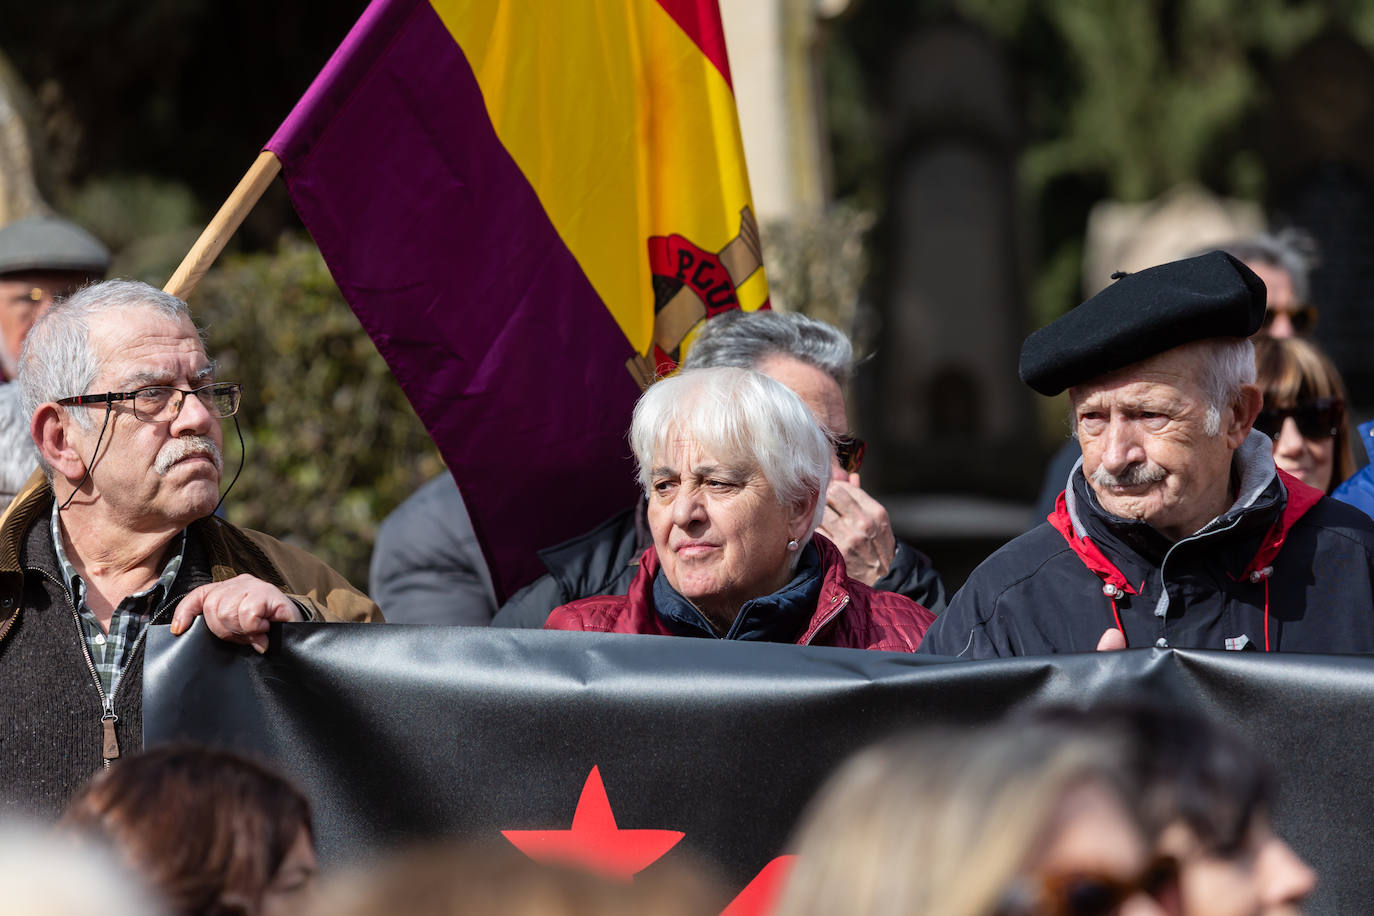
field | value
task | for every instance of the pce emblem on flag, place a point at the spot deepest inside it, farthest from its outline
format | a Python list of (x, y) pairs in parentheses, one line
[(520, 199)]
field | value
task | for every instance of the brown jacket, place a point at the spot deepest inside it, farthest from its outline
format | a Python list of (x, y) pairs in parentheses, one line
[(59, 724), (323, 593)]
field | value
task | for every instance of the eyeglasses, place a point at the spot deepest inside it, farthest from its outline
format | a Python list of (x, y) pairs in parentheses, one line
[(1303, 318), (849, 452), (28, 298), (36, 294), (160, 403), (1087, 893), (1318, 419)]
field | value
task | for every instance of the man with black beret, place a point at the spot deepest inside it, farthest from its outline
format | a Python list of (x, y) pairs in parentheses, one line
[(1175, 529)]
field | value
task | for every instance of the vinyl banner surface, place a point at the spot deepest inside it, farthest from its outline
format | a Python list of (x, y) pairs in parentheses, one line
[(638, 749)]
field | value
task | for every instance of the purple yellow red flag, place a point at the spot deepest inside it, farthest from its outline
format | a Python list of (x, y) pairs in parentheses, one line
[(530, 206)]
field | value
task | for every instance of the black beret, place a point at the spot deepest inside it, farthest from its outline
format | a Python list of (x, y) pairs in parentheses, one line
[(1142, 315)]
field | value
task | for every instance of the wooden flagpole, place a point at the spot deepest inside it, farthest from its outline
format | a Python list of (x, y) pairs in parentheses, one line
[(226, 222)]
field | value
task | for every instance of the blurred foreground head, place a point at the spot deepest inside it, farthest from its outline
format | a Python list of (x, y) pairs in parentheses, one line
[(1204, 798), (209, 831), (476, 880), (43, 875), (999, 822)]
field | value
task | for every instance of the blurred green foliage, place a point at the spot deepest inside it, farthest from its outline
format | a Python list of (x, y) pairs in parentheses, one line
[(1121, 99), (332, 445)]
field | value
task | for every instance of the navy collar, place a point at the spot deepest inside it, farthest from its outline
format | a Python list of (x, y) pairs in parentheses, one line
[(780, 617)]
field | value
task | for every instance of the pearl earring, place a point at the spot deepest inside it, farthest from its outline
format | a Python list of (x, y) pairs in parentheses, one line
[(793, 544)]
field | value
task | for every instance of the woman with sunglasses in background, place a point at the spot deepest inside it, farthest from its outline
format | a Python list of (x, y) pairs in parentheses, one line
[(1016, 820), (1304, 411)]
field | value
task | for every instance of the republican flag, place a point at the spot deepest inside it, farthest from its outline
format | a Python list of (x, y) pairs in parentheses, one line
[(530, 205)]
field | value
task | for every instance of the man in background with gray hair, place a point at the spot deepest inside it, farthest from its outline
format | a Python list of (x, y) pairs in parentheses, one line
[(815, 360), (1175, 529), (41, 259), (125, 411), (1284, 261)]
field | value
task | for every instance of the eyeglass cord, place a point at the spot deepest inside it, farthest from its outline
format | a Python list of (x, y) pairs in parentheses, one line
[(243, 453), (86, 476)]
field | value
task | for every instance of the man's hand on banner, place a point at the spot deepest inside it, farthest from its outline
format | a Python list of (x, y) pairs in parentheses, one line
[(1111, 641), (240, 609)]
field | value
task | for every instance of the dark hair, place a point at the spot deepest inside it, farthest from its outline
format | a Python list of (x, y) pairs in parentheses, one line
[(1292, 250), (1180, 767), (206, 828)]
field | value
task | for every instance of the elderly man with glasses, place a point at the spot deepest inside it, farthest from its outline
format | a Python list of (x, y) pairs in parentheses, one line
[(125, 412)]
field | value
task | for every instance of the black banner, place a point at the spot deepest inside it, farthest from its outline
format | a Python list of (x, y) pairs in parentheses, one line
[(667, 746)]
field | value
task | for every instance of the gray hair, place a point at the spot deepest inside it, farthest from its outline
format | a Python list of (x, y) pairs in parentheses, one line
[(1291, 250), (744, 339), (741, 415), (1228, 364), (18, 457), (58, 360)]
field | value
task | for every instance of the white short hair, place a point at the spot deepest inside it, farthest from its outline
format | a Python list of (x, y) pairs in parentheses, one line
[(1227, 365), (737, 415), (18, 457)]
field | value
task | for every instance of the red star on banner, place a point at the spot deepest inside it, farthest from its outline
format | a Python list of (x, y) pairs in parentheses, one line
[(594, 841)]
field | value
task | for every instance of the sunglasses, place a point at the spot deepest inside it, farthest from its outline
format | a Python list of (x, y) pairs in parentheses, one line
[(1319, 419), (849, 451), (1303, 318), (1088, 893)]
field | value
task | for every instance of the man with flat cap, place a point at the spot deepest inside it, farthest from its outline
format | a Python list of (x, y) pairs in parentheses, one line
[(1174, 529), (41, 259)]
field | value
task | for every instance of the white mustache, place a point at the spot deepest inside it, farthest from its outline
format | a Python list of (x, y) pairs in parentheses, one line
[(1135, 476), (185, 447)]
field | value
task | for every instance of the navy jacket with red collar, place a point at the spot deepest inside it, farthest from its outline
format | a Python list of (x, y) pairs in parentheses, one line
[(1284, 569)]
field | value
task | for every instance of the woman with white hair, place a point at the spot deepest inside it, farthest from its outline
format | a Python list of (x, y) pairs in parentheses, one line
[(735, 470)]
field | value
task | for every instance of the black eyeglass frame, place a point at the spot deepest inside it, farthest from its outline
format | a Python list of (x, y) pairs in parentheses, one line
[(109, 397), (1303, 318), (849, 451)]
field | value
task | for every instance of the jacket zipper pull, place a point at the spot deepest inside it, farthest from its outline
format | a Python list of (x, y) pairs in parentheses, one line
[(110, 747)]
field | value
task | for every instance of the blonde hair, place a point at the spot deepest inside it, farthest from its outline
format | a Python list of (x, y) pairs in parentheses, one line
[(1291, 370), (936, 823)]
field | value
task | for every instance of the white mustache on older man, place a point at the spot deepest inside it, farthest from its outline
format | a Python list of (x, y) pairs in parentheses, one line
[(186, 447), (1137, 475)]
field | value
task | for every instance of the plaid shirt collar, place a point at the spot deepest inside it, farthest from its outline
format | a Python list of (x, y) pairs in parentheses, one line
[(110, 651)]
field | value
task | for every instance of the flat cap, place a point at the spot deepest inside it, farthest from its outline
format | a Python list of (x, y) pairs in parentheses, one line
[(1142, 315), (48, 243)]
